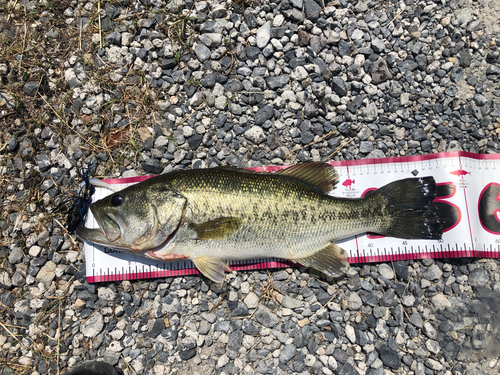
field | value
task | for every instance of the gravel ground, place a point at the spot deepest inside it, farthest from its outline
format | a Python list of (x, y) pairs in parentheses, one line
[(149, 86)]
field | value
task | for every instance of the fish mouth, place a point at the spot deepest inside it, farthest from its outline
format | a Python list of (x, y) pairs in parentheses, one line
[(108, 232)]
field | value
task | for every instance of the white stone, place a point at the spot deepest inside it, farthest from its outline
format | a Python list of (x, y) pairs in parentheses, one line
[(264, 35), (251, 300)]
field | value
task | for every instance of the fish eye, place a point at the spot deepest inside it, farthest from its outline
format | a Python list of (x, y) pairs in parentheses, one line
[(116, 200)]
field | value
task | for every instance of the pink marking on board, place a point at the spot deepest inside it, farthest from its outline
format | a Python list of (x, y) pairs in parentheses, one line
[(459, 172), (348, 183)]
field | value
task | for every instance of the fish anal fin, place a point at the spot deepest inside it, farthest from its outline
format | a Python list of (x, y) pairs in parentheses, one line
[(211, 267), (331, 260), (217, 229), (319, 174)]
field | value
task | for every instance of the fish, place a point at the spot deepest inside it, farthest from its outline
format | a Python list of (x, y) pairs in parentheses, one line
[(215, 215), (348, 182), (459, 172)]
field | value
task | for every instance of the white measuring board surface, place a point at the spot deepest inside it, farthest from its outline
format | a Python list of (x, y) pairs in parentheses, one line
[(468, 183)]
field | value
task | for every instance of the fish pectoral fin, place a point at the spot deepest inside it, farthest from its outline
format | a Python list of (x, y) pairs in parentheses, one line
[(211, 267), (330, 260), (319, 174), (217, 229)]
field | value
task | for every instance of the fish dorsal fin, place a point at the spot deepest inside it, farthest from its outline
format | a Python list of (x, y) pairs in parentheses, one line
[(319, 174)]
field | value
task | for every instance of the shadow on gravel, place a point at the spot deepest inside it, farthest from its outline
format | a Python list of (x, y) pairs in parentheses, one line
[(470, 330)]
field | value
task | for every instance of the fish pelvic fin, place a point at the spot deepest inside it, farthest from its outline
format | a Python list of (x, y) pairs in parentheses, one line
[(331, 260), (211, 267), (217, 229), (408, 205), (319, 174)]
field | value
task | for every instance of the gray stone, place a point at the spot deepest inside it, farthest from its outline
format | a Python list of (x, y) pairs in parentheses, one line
[(202, 52), (378, 45), (31, 88), (386, 271), (291, 303), (365, 147), (433, 364), (5, 280), (255, 134), (266, 317), (375, 154), (433, 273), (47, 273), (287, 353), (278, 82), (354, 301), (429, 330), (479, 277), (16, 255), (111, 357), (43, 161), (18, 279), (211, 40), (93, 326)]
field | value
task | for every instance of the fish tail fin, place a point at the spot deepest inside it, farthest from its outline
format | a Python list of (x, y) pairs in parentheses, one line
[(408, 205)]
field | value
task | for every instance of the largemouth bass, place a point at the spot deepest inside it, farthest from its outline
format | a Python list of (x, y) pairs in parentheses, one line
[(214, 215)]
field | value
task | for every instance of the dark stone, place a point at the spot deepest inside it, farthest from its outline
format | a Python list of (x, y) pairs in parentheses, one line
[(338, 85), (249, 327), (114, 38), (493, 70), (456, 74), (168, 64), (252, 53), (465, 58), (93, 367), (43, 161), (241, 309), (355, 104), (264, 114), (388, 299), (348, 369), (31, 88), (208, 81), (234, 340), (158, 328), (312, 10), (345, 48), (187, 354), (194, 141), (389, 357), (152, 166), (408, 65)]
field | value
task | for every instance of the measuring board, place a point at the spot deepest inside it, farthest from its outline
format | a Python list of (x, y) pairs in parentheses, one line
[(468, 183)]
